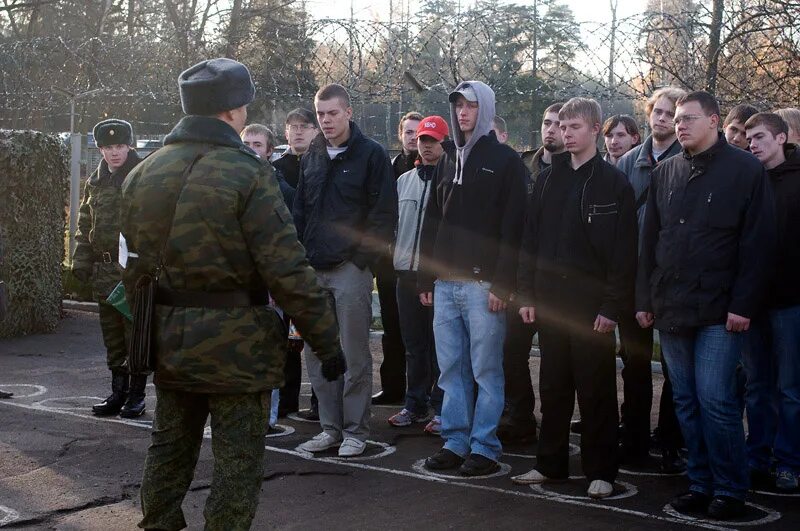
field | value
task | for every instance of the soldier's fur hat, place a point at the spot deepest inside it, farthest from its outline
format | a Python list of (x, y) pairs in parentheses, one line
[(213, 86), (113, 131)]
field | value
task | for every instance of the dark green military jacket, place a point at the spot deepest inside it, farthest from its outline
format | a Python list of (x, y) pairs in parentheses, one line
[(232, 232), (97, 238)]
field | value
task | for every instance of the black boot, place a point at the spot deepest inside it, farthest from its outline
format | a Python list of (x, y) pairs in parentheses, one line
[(134, 407), (119, 392)]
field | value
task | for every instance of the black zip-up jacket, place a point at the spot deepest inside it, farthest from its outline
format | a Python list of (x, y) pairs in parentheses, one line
[(289, 165), (472, 231), (597, 239), (345, 209), (785, 180), (708, 241)]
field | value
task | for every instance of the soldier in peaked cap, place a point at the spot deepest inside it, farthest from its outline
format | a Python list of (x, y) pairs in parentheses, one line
[(219, 348), (95, 259)]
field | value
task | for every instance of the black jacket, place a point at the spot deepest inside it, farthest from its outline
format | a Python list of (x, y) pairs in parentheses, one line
[(402, 163), (708, 239), (346, 208), (289, 166), (785, 181), (597, 238), (472, 231)]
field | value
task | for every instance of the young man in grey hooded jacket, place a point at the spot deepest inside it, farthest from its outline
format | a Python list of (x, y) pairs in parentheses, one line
[(470, 246)]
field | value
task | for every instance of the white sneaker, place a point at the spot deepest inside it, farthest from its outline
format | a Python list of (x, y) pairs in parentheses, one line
[(319, 443), (352, 447), (599, 489), (534, 477)]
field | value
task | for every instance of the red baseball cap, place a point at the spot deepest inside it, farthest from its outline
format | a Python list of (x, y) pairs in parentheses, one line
[(433, 126)]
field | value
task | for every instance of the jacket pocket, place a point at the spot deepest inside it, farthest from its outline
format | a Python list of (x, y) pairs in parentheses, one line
[(714, 295)]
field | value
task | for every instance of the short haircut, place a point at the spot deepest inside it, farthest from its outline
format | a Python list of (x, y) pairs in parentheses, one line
[(333, 90), (626, 120), (301, 115), (772, 121), (740, 113), (555, 107), (586, 108), (413, 115), (791, 116), (707, 101), (260, 129), (673, 94), (500, 124)]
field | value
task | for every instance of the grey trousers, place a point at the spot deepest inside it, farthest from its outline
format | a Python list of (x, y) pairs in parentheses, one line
[(344, 405)]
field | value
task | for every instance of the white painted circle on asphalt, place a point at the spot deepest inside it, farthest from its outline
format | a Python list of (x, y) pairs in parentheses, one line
[(777, 494), (419, 467), (388, 449), (38, 390), (651, 474), (285, 430), (574, 449), (7, 515), (48, 403), (630, 490), (295, 417), (770, 516)]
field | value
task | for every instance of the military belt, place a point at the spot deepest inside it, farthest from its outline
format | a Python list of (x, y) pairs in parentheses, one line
[(211, 299)]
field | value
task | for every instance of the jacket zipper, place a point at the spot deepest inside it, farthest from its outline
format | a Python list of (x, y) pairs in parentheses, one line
[(418, 230)]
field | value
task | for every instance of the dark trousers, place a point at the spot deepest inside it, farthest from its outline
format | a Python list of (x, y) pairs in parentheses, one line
[(636, 352), (292, 377), (520, 400), (416, 324), (669, 430), (393, 367), (576, 359)]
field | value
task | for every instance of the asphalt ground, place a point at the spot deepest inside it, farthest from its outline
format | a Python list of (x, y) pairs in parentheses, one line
[(62, 468)]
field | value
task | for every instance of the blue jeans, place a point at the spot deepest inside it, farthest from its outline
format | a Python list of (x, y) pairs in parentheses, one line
[(702, 364), (469, 348), (760, 394), (786, 347)]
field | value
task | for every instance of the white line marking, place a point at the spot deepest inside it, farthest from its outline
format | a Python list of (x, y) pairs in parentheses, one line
[(419, 467), (8, 515), (778, 494), (574, 449), (40, 390), (405, 473), (69, 408), (771, 516), (295, 417), (387, 450), (651, 474), (630, 490)]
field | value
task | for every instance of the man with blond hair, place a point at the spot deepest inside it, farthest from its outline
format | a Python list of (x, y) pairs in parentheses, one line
[(576, 273)]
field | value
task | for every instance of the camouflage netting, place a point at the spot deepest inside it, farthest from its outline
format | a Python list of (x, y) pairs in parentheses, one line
[(34, 182)]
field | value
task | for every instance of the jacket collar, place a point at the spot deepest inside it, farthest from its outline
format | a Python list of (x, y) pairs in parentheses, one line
[(102, 173), (790, 165), (205, 130), (707, 155), (645, 158), (320, 145)]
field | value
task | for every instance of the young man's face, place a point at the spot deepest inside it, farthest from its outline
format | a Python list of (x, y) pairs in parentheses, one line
[(579, 135), (258, 142), (661, 119), (694, 128), (115, 155), (467, 114), (767, 147), (619, 141), (736, 135), (299, 135), (430, 150), (334, 119), (551, 133), (408, 135)]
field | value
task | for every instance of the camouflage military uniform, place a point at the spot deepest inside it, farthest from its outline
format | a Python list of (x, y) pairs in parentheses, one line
[(231, 232), (96, 245)]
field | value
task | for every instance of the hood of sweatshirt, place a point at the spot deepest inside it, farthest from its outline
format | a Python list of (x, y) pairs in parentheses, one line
[(484, 123)]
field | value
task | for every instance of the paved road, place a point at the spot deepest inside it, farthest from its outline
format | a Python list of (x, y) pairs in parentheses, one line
[(62, 468)]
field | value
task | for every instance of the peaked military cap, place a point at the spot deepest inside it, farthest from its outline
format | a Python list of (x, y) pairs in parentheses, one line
[(216, 85), (113, 131)]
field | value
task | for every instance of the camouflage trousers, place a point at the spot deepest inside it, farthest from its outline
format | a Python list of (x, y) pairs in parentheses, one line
[(238, 426), (116, 333)]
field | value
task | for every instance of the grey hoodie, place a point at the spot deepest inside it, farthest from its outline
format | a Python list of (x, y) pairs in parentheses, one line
[(482, 126)]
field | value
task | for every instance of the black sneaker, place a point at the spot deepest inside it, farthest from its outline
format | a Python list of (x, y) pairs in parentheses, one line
[(309, 414), (691, 503), (517, 432), (478, 465), (444, 459), (672, 462), (726, 508)]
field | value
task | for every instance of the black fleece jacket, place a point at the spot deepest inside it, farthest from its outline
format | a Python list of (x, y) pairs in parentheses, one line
[(597, 239), (345, 209), (785, 179), (472, 231)]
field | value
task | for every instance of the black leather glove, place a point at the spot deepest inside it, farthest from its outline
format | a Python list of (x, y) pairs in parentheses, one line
[(334, 366), (82, 274)]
